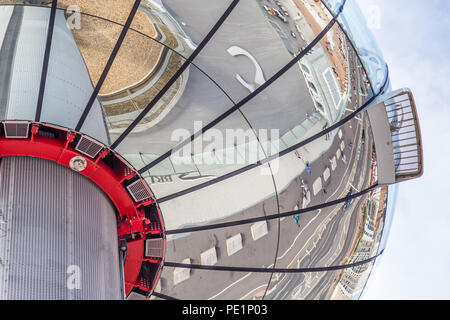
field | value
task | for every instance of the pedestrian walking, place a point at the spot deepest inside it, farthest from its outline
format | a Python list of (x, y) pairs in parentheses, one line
[(304, 189), (308, 168), (297, 219), (304, 186)]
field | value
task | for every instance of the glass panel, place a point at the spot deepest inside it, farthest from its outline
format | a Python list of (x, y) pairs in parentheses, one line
[(334, 5), (325, 85), (229, 146), (391, 202), (249, 245), (353, 281), (191, 102), (96, 39), (181, 25), (141, 69), (225, 199), (113, 10), (27, 2), (329, 168), (333, 236), (354, 24), (342, 284), (302, 286), (82, 54), (257, 40), (346, 233), (23, 34), (212, 285)]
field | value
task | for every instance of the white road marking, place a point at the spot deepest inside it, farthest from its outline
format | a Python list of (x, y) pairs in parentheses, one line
[(231, 285), (333, 163), (248, 274), (326, 174), (317, 185), (295, 240)]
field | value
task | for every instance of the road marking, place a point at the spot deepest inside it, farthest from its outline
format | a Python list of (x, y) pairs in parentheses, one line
[(340, 134), (348, 167), (259, 230), (317, 185), (338, 154), (333, 163), (234, 244), (342, 146), (231, 285), (182, 274), (295, 240), (353, 187), (326, 174), (209, 257), (247, 294)]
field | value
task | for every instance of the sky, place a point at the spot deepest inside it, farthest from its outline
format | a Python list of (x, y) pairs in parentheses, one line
[(413, 37)]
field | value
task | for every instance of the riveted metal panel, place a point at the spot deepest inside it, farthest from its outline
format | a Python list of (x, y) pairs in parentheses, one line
[(58, 234)]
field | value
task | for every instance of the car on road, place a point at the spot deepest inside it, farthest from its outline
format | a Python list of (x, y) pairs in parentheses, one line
[(278, 12), (293, 34), (348, 202), (284, 11), (280, 15)]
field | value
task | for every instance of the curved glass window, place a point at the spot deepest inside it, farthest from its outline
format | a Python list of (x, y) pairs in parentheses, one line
[(389, 215), (234, 142), (23, 34), (353, 22), (334, 5)]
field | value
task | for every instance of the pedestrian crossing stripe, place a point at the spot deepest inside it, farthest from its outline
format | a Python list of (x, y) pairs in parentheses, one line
[(326, 174)]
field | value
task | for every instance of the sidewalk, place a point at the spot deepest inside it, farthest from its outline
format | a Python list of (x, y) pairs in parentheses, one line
[(235, 194)]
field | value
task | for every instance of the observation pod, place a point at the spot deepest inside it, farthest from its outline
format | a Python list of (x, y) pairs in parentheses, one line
[(196, 149)]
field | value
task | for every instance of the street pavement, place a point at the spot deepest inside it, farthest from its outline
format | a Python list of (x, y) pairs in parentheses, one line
[(251, 28), (322, 238)]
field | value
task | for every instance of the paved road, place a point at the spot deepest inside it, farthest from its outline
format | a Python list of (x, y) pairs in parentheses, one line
[(328, 246), (249, 28), (224, 285), (320, 289), (254, 254)]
